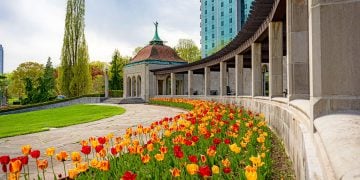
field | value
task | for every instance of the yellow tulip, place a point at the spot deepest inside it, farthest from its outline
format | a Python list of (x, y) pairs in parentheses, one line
[(192, 168)]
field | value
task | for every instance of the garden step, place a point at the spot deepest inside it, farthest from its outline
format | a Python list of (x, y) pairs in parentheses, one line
[(112, 100), (132, 101)]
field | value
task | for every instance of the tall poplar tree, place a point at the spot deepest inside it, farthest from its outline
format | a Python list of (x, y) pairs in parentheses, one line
[(117, 64), (74, 74)]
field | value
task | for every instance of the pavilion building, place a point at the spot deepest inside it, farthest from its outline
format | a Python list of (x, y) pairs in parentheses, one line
[(139, 81)]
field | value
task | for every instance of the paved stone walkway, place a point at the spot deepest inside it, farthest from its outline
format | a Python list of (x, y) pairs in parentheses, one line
[(68, 138)]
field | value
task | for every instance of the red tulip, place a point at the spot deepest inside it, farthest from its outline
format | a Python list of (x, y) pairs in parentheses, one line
[(128, 175), (86, 150), (35, 154), (4, 168), (205, 171), (193, 159), (227, 141), (113, 151), (195, 139), (216, 141), (188, 142), (177, 148), (98, 148), (4, 160), (227, 170), (24, 160), (102, 140), (179, 154)]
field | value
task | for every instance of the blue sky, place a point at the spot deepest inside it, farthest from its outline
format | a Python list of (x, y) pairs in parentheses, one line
[(32, 30)]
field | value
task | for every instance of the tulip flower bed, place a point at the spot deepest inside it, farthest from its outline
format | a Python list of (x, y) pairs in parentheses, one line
[(211, 141)]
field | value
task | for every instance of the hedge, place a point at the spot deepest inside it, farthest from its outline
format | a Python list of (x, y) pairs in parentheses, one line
[(12, 108)]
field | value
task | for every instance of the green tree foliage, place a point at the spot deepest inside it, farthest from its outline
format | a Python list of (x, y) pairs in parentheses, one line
[(75, 75), (136, 50), (49, 78), (97, 76), (116, 71), (187, 50), (28, 70)]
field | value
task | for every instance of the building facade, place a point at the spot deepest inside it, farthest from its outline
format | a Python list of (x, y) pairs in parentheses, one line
[(221, 20), (1, 59), (139, 82)]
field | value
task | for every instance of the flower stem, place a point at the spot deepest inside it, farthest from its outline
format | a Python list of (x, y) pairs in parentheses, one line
[(43, 174), (64, 169), (52, 167)]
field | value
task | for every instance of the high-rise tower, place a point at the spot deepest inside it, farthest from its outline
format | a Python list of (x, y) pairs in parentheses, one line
[(1, 59), (221, 20)]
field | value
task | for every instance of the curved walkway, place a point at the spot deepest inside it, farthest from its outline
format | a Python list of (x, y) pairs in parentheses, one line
[(68, 138)]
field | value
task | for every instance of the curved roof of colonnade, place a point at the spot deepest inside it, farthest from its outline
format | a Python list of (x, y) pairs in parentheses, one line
[(261, 13)]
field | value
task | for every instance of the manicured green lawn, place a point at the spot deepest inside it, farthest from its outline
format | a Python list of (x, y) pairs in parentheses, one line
[(36, 121)]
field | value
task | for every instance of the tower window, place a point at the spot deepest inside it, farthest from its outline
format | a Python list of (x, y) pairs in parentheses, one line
[(222, 4), (222, 13), (213, 44), (230, 30), (222, 33), (222, 23), (230, 10), (230, 20)]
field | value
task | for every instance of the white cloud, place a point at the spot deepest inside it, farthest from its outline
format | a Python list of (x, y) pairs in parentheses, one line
[(33, 30)]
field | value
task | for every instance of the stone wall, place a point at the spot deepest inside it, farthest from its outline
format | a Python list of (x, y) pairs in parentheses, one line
[(83, 100)]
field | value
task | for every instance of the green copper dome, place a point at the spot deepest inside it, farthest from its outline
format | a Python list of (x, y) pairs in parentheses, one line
[(156, 39)]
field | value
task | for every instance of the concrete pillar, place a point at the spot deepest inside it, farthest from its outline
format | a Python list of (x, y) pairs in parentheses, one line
[(207, 80), (334, 56), (132, 87), (276, 59), (297, 33), (222, 78), (239, 83), (256, 69), (190, 85), (173, 84)]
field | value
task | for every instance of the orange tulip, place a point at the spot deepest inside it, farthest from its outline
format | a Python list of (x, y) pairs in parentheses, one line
[(104, 165), (62, 156), (159, 157), (226, 162), (145, 159), (42, 164), (75, 156), (82, 167), (73, 173), (26, 149), (175, 172), (15, 166)]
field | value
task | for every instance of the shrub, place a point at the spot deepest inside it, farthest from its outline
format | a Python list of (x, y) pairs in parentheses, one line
[(116, 93)]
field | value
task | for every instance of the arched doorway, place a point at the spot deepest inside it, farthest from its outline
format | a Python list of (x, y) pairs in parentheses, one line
[(138, 86), (133, 82), (128, 87)]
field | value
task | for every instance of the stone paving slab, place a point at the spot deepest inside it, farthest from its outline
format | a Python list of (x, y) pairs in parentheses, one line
[(67, 138)]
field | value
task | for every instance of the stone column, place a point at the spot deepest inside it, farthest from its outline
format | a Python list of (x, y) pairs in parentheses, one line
[(125, 86), (239, 83), (276, 59), (190, 85), (297, 33), (207, 80), (222, 78), (256, 69), (334, 56), (173, 84)]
